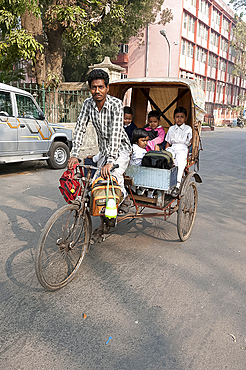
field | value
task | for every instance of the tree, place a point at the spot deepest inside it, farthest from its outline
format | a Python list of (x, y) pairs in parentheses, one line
[(77, 29), (238, 5), (114, 30), (16, 44), (239, 45)]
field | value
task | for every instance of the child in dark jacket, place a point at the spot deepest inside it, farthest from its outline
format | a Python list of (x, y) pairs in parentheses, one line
[(129, 125)]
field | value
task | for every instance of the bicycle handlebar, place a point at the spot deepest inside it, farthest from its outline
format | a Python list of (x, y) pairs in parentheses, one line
[(88, 166)]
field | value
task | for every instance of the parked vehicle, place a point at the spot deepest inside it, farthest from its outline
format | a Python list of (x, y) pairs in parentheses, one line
[(25, 133), (240, 121)]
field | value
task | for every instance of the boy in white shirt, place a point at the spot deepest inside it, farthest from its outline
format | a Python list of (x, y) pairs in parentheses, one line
[(178, 139)]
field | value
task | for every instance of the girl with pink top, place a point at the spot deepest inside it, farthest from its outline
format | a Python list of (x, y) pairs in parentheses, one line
[(155, 130)]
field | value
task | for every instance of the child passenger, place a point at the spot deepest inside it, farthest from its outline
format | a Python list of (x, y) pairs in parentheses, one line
[(139, 142), (178, 139), (129, 125), (155, 130)]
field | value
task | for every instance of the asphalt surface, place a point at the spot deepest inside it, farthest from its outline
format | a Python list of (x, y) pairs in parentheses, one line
[(166, 304)]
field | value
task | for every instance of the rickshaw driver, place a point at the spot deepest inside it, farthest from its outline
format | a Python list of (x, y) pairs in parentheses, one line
[(106, 115)]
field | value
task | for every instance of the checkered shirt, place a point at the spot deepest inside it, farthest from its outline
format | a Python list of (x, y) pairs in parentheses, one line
[(108, 124)]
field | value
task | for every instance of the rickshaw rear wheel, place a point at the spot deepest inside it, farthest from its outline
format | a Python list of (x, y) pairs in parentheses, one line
[(187, 211)]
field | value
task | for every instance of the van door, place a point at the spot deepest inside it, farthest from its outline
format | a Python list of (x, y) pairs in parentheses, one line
[(33, 132), (8, 124)]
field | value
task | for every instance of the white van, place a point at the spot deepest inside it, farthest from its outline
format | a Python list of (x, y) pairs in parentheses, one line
[(25, 133)]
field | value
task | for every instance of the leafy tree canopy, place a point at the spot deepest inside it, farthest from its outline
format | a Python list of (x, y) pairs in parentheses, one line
[(15, 43), (70, 32), (239, 44), (114, 30)]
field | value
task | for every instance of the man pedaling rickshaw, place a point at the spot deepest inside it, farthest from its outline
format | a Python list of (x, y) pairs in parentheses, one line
[(106, 114)]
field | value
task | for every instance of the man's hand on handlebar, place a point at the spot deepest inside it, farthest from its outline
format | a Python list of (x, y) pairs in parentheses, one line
[(71, 162), (105, 170)]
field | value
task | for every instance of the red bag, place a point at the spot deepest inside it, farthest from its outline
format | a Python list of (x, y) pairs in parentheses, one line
[(69, 187)]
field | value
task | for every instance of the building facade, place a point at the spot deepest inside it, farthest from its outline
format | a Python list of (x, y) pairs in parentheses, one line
[(195, 45)]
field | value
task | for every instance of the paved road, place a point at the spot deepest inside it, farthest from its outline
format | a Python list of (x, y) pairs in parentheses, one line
[(166, 304)]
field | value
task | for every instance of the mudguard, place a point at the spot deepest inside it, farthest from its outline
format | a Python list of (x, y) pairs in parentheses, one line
[(188, 179)]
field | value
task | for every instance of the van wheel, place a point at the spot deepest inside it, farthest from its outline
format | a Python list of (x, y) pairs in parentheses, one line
[(59, 155)]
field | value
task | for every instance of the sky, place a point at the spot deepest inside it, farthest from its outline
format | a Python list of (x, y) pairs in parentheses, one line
[(238, 11)]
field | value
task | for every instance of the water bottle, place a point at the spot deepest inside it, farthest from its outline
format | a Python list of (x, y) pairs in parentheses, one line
[(111, 209)]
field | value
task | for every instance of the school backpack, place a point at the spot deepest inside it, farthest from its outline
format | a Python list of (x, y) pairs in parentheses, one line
[(158, 159), (69, 187), (99, 195)]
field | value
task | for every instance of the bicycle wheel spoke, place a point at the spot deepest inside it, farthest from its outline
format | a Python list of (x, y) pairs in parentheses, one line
[(51, 257)]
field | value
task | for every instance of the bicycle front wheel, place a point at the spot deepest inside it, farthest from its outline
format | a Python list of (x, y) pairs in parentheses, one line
[(62, 246)]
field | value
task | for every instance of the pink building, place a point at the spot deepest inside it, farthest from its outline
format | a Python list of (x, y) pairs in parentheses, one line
[(198, 40)]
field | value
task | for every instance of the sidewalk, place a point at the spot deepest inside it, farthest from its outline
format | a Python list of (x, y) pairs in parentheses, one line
[(221, 128)]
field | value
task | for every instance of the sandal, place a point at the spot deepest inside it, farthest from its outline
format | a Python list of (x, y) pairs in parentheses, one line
[(125, 206)]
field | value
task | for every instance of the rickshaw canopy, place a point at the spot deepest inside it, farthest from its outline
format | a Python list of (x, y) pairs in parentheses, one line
[(164, 95)]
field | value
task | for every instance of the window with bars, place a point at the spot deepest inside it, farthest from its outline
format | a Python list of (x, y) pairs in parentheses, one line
[(190, 49), (198, 53), (219, 88), (223, 65), (212, 60), (228, 89), (213, 86), (187, 48), (232, 51), (191, 24), (202, 31), (224, 44), (230, 68), (210, 85), (124, 48), (185, 20), (216, 16), (225, 24), (201, 81), (201, 55), (214, 38), (204, 7)]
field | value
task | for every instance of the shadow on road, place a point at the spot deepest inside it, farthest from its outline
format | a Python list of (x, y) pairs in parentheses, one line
[(21, 167)]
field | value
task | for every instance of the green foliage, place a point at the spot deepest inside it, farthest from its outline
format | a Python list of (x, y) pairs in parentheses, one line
[(15, 43), (12, 75), (238, 4), (125, 19), (88, 30), (239, 45)]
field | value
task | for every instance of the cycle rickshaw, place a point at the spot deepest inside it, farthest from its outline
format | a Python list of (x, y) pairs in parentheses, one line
[(67, 234)]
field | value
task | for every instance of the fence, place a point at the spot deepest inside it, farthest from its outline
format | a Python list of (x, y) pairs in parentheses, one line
[(60, 105)]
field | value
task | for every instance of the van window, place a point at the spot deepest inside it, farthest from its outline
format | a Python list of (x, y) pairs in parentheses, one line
[(5, 104), (26, 107)]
